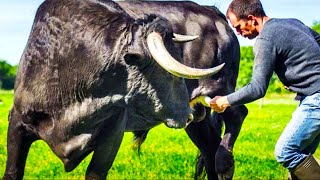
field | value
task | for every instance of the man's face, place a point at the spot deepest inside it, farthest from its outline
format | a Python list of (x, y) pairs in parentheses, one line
[(244, 27)]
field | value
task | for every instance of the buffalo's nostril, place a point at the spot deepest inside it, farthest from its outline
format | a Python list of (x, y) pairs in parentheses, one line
[(190, 118)]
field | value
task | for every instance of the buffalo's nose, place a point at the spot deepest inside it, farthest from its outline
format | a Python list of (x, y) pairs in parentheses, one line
[(174, 124), (183, 123)]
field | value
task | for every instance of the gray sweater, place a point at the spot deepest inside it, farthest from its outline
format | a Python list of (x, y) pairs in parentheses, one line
[(288, 48)]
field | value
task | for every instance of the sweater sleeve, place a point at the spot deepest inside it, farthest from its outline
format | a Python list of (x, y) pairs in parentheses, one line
[(264, 63)]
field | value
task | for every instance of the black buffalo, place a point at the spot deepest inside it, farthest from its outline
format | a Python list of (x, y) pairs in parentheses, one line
[(216, 44), (89, 73)]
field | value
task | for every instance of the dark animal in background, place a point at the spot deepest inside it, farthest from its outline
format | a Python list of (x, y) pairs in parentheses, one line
[(216, 44), (89, 73)]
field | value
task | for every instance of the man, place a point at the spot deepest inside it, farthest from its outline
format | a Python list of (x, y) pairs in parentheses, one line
[(289, 48)]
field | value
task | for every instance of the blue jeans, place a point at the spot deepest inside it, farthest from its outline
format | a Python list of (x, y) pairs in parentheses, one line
[(301, 136)]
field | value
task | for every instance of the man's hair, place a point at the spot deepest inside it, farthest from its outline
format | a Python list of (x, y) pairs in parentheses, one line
[(242, 8)]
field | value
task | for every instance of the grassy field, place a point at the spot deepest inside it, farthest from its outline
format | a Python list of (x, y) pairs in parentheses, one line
[(168, 153)]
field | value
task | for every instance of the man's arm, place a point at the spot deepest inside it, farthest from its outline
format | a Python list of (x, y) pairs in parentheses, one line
[(264, 63)]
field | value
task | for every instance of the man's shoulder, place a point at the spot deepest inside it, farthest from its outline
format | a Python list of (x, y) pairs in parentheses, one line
[(282, 22), (275, 26)]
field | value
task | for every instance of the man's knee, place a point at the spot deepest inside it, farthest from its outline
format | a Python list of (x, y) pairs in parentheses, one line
[(283, 153)]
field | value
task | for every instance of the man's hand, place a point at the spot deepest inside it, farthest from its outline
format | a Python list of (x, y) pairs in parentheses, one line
[(219, 104)]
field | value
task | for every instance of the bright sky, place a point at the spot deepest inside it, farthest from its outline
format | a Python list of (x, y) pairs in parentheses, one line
[(16, 18)]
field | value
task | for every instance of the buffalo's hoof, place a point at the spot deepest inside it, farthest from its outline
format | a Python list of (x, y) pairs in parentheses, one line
[(228, 175), (224, 163)]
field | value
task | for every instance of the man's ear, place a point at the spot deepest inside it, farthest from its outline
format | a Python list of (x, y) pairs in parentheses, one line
[(253, 19)]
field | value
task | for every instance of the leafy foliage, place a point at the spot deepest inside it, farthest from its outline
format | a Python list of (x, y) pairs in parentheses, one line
[(246, 65), (7, 75), (316, 26)]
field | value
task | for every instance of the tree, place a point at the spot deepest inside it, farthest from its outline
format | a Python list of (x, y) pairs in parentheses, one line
[(316, 26), (246, 65), (7, 75)]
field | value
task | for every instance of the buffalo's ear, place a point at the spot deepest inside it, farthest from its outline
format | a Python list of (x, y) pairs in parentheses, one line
[(135, 59)]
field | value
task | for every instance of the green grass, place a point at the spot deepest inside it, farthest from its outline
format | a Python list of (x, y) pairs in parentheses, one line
[(168, 153)]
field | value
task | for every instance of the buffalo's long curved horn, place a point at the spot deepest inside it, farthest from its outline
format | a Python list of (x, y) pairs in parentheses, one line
[(166, 61), (183, 38)]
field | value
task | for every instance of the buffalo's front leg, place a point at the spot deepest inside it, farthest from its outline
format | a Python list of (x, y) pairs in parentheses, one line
[(233, 118), (207, 140), (19, 140), (106, 147)]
